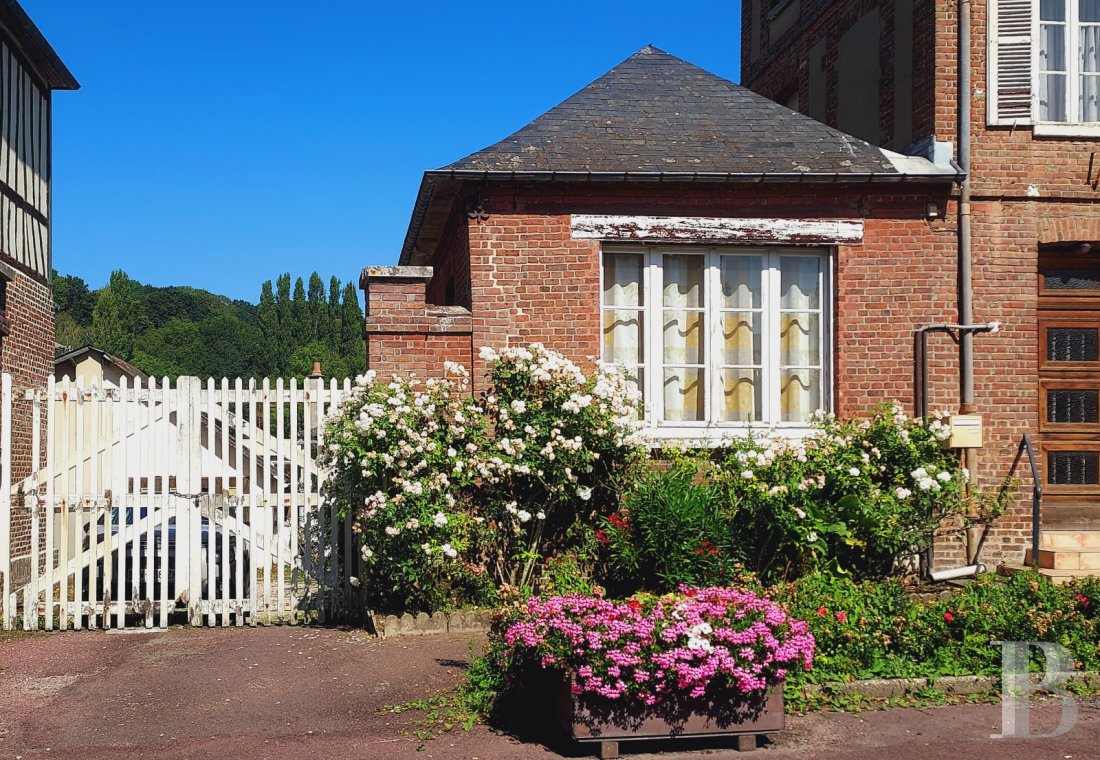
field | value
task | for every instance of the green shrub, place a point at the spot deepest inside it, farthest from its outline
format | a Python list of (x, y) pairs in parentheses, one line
[(858, 496), (672, 530), (880, 630)]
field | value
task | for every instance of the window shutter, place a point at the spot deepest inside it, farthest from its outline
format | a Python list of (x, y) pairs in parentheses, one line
[(1010, 61)]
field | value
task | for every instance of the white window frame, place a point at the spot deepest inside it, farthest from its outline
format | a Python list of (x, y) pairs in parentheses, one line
[(709, 432), (1073, 125)]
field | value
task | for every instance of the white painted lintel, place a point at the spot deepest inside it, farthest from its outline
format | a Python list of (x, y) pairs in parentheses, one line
[(707, 229)]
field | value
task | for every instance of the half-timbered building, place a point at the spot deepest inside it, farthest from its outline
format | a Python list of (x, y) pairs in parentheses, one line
[(30, 70)]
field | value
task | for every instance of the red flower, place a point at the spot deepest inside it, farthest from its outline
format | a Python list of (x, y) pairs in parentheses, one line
[(601, 536), (634, 605), (712, 550), (948, 617), (822, 611), (1083, 600), (699, 550), (842, 617), (689, 592)]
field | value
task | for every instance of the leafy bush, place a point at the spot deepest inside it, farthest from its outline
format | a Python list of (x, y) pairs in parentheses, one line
[(672, 531), (453, 496), (880, 630), (858, 496)]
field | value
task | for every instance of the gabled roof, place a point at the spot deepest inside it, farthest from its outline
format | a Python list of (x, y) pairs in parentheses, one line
[(65, 354), (43, 59), (655, 117)]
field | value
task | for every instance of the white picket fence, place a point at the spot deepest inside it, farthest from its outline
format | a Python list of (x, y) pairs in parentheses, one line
[(198, 502)]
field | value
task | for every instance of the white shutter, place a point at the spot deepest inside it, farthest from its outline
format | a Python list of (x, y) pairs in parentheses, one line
[(1010, 61)]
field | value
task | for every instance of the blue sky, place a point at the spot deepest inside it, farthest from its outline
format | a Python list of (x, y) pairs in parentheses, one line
[(220, 143)]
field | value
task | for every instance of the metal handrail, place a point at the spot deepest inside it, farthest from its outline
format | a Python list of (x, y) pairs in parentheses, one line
[(1036, 493)]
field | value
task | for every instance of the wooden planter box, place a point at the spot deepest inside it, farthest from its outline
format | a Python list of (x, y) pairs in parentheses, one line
[(607, 722)]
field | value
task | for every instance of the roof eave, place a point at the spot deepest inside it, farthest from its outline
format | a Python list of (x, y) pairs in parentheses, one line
[(944, 177), (30, 41), (427, 184)]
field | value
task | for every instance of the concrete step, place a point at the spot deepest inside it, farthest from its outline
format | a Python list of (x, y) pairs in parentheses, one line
[(1067, 559), (1070, 539), (1057, 576)]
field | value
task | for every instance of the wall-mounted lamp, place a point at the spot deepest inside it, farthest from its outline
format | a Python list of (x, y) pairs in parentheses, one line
[(1082, 248), (932, 211)]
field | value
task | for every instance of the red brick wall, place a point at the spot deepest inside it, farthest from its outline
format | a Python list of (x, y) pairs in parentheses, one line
[(404, 333), (783, 63), (530, 281), (27, 354), (1027, 190)]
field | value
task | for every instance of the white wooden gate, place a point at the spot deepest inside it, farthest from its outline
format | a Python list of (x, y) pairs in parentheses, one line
[(156, 503)]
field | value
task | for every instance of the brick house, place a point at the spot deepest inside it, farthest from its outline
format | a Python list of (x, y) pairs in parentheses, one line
[(788, 263), (30, 71), (889, 71)]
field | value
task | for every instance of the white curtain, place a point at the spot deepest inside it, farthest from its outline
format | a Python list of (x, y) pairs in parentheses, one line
[(623, 320), (1052, 58), (683, 300), (741, 301), (1090, 64), (799, 337)]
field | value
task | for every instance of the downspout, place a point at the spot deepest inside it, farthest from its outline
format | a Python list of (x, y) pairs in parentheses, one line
[(966, 292), (966, 287)]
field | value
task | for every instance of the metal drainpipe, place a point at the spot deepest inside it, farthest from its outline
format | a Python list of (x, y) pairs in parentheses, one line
[(966, 289), (966, 293)]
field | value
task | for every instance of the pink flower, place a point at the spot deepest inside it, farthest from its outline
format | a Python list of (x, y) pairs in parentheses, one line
[(842, 617)]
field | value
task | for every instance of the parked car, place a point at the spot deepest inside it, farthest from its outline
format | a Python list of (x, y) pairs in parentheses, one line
[(175, 593)]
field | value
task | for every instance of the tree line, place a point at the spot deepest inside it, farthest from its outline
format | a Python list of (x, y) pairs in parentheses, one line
[(178, 330)]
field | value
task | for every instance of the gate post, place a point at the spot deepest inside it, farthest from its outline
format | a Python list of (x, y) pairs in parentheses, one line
[(189, 485)]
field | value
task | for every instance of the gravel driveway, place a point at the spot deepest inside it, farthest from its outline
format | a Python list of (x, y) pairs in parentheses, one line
[(307, 692)]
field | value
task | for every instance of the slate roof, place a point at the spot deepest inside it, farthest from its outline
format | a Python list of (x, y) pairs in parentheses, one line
[(657, 118), (30, 41), (655, 113)]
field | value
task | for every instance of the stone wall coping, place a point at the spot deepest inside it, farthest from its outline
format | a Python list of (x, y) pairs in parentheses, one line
[(393, 273)]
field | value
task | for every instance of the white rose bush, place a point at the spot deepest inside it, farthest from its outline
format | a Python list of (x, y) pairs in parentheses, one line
[(454, 495), (855, 497)]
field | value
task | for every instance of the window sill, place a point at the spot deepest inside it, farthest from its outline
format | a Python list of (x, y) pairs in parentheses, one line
[(712, 436), (1049, 129)]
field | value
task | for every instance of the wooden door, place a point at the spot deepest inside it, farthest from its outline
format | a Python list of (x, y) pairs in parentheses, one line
[(1069, 385)]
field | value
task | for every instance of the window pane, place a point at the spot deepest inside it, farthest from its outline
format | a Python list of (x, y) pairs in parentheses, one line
[(1090, 98), (684, 337), (684, 395), (799, 339), (1073, 468), (622, 336), (1073, 406), (1088, 49), (800, 278), (741, 282), (1052, 97), (799, 394), (1052, 47), (1088, 10), (741, 338), (741, 395), (1052, 10), (622, 279), (1072, 344), (1071, 279), (683, 280)]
